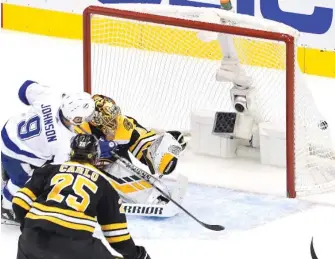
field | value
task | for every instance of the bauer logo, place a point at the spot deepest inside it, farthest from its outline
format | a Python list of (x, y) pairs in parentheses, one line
[(311, 17)]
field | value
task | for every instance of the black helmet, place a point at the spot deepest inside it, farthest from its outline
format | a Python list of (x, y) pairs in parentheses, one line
[(85, 148)]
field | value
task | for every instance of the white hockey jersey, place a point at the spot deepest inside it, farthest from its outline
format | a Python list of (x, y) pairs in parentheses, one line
[(38, 135)]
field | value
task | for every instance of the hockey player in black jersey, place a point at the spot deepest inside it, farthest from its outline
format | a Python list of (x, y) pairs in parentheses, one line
[(61, 205)]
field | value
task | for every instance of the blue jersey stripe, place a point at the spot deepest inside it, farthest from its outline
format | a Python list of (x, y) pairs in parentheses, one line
[(22, 91), (12, 146), (7, 194)]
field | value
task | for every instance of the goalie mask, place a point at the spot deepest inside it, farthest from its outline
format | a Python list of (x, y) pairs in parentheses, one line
[(106, 115)]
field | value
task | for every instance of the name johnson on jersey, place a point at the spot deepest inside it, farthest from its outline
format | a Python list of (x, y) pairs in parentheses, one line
[(48, 123)]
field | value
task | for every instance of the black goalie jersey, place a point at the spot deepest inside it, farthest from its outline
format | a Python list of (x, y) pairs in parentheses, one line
[(70, 199)]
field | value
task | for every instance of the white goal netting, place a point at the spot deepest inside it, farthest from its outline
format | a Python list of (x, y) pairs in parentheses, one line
[(159, 74)]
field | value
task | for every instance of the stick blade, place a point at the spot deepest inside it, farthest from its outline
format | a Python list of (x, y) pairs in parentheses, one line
[(214, 227)]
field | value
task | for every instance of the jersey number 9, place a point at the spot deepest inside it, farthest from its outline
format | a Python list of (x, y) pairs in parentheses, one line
[(61, 181), (29, 128)]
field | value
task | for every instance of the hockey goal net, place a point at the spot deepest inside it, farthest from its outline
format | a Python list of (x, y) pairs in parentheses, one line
[(161, 63)]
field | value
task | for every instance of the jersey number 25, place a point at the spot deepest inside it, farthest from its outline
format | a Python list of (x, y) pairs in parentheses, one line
[(61, 181)]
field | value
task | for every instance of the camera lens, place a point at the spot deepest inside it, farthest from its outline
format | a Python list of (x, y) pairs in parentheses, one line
[(239, 107), (323, 125)]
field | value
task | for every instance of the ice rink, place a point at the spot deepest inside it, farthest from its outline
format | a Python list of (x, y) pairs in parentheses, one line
[(260, 223)]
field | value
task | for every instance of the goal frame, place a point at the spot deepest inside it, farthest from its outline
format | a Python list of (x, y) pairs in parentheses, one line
[(218, 28)]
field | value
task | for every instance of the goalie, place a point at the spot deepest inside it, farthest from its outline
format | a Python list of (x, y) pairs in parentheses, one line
[(126, 137)]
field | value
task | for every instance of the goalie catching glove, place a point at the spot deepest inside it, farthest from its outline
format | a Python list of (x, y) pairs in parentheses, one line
[(179, 137), (162, 156)]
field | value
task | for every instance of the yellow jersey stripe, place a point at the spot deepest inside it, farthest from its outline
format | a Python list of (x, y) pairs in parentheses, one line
[(70, 213), (23, 204), (60, 222), (140, 152), (114, 226), (29, 193), (140, 139), (118, 239)]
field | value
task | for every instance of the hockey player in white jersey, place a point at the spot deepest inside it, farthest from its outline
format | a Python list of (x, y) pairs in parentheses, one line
[(39, 136)]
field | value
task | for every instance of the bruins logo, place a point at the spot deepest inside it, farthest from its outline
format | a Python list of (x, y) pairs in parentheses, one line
[(127, 124)]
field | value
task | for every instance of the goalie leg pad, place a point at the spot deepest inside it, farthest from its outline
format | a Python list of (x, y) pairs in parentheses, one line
[(132, 188)]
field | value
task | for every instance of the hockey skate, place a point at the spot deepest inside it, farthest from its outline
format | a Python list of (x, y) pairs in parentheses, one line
[(8, 216)]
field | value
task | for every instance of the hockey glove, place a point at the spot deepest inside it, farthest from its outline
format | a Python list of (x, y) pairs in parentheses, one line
[(179, 137), (107, 147), (142, 253)]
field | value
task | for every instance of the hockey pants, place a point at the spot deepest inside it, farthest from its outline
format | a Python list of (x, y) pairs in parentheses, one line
[(18, 174)]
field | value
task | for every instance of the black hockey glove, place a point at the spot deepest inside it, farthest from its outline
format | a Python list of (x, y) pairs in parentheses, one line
[(142, 253)]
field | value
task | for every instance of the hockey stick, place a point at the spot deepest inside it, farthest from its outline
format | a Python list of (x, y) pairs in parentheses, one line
[(9, 222), (148, 177), (144, 175)]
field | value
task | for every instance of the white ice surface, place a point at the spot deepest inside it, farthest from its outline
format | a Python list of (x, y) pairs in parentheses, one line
[(258, 226)]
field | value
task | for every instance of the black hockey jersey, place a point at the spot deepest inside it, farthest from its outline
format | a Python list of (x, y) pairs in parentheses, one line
[(130, 136), (70, 199)]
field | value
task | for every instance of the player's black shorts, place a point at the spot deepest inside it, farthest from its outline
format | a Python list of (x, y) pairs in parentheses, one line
[(39, 244)]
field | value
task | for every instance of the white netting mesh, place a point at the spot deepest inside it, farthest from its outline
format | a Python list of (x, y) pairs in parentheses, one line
[(159, 74)]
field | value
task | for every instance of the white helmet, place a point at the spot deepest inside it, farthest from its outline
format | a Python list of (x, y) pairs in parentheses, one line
[(77, 107)]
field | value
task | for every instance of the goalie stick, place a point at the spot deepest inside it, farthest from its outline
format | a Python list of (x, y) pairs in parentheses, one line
[(145, 176), (150, 178)]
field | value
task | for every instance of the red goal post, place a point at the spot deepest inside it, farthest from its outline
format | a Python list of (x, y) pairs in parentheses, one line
[(288, 40)]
